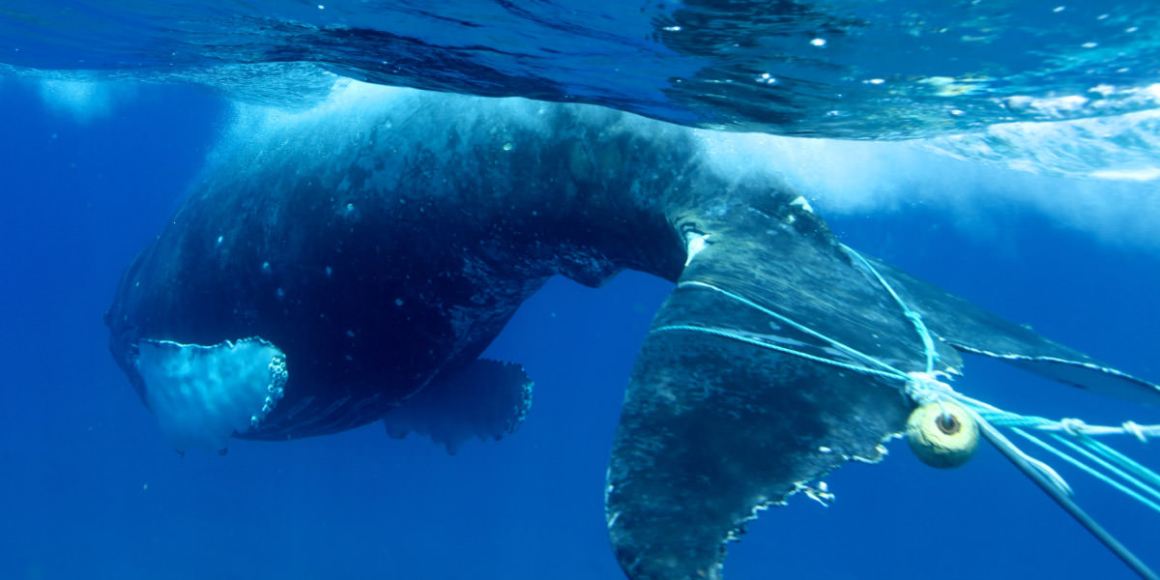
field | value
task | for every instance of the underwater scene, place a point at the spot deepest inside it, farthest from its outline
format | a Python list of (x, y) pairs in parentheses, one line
[(471, 289)]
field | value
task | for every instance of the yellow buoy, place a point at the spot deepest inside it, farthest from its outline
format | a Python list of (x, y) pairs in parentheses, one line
[(942, 434)]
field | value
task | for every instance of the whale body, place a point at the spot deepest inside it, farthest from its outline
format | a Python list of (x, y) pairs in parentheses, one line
[(331, 271)]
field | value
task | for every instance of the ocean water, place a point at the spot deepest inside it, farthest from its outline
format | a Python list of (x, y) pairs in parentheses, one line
[(91, 170)]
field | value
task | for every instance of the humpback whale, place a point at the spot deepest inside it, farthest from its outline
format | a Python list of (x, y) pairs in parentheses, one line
[(325, 275)]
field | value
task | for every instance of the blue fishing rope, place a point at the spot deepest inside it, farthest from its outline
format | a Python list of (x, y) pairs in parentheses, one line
[(1086, 468), (763, 344), (801, 327), (1123, 460), (1116, 470), (912, 315)]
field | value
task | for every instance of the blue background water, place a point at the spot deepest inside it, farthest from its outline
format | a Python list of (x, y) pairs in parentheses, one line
[(89, 488)]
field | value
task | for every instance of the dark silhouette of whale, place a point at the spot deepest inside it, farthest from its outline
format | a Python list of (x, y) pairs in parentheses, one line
[(333, 271)]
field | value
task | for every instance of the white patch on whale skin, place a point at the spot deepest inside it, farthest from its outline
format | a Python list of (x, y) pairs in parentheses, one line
[(202, 395), (694, 243), (803, 203)]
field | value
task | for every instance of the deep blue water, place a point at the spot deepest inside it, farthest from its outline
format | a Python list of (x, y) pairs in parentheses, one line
[(89, 488)]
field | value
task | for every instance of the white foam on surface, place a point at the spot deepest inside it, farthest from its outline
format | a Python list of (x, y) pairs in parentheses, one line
[(1096, 176), (202, 395), (1116, 205), (353, 108), (82, 100)]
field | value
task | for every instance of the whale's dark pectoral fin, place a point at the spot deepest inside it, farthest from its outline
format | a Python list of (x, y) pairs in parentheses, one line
[(487, 399), (713, 429), (971, 329)]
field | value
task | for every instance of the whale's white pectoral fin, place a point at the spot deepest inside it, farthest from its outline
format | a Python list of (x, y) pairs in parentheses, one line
[(202, 395)]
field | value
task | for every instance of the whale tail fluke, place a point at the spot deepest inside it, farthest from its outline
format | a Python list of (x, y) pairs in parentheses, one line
[(781, 355)]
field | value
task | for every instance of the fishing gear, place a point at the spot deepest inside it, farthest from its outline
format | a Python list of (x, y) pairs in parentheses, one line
[(944, 428)]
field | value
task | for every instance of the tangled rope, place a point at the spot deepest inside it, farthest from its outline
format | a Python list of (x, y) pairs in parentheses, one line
[(932, 386)]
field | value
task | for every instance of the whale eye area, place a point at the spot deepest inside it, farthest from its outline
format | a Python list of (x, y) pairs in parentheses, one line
[(948, 423)]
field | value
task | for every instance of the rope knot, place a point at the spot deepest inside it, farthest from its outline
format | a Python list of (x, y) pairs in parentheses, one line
[(924, 388), (1135, 429), (1072, 426)]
